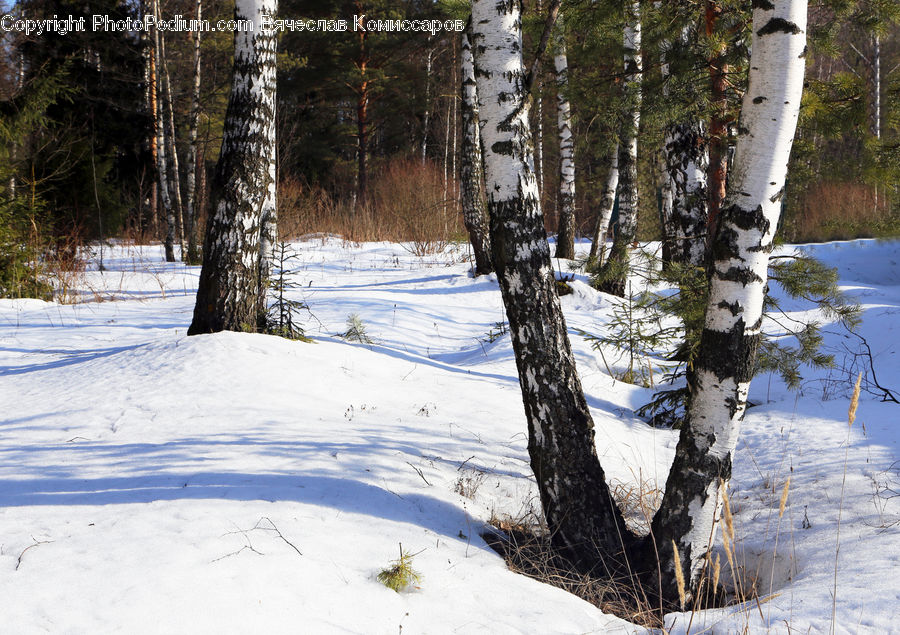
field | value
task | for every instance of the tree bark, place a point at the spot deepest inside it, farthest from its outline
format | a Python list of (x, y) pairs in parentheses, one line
[(614, 272), (191, 204), (161, 163), (172, 150), (228, 297), (734, 312), (686, 156), (581, 514), (718, 124), (607, 205), (565, 202), (427, 114), (470, 168), (686, 164)]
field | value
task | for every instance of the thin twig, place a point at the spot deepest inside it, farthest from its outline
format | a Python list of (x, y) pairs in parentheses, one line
[(419, 472), (36, 543)]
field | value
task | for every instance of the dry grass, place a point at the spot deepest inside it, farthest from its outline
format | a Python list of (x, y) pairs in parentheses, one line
[(407, 202), (526, 548), (841, 211)]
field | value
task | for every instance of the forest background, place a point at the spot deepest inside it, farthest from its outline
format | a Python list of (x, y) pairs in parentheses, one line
[(369, 123)]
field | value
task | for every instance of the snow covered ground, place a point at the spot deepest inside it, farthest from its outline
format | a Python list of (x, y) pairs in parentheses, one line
[(241, 483)]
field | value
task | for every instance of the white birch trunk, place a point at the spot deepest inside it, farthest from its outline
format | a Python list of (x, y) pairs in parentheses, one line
[(425, 117), (172, 150), (734, 311), (161, 163), (615, 270), (230, 295), (191, 178), (471, 171), (607, 205), (565, 205)]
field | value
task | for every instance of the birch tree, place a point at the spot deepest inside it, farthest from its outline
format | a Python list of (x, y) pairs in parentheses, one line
[(686, 157), (470, 170), (160, 142), (565, 201), (580, 514), (571, 482), (605, 213), (612, 276), (230, 295), (731, 334), (193, 160)]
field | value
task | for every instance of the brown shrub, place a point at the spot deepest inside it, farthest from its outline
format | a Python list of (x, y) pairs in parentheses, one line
[(407, 202), (841, 211)]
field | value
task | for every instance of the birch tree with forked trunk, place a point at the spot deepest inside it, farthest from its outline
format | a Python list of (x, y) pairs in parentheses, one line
[(740, 255), (579, 511), (231, 293)]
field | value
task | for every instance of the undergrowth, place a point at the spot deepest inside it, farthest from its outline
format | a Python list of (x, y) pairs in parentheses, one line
[(400, 576)]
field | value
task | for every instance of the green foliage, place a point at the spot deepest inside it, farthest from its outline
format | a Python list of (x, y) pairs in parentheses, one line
[(282, 317), (400, 576), (356, 330), (806, 279), (668, 325), (24, 241), (498, 330)]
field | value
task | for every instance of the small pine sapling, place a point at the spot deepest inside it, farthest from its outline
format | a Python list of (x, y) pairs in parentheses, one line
[(400, 576), (639, 328), (282, 317), (356, 330)]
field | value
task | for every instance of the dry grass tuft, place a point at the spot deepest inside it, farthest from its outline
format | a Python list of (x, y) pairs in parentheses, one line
[(526, 548)]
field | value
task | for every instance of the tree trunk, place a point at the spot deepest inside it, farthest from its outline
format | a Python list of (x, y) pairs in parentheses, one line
[(565, 236), (734, 312), (427, 114), (471, 173), (876, 88), (228, 297), (191, 207), (718, 124), (172, 150), (686, 156), (149, 53), (161, 164), (362, 116), (686, 164), (607, 205), (539, 118), (614, 273), (579, 510)]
